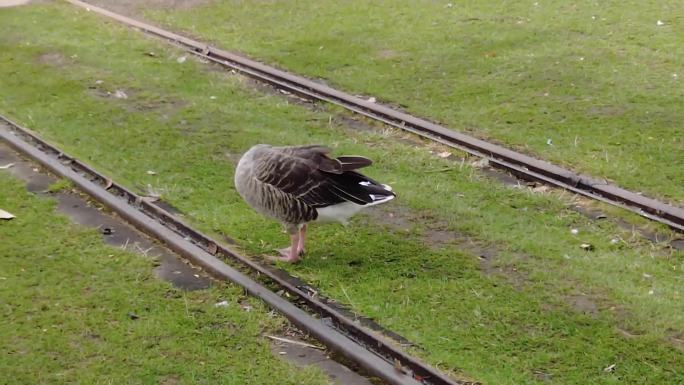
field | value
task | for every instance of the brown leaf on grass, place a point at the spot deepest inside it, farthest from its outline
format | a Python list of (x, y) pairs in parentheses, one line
[(398, 367), (212, 248)]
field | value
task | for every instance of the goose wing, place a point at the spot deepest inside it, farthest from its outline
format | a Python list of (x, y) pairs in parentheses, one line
[(309, 175)]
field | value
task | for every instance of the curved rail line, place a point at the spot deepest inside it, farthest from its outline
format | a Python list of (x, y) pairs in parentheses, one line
[(523, 166), (334, 329)]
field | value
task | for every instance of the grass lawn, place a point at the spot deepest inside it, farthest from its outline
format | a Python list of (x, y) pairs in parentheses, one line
[(602, 81), (488, 280), (65, 298)]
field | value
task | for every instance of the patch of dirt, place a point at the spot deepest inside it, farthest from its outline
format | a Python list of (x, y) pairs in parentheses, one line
[(169, 380), (135, 7), (136, 103), (677, 341), (607, 111), (436, 235), (54, 59), (583, 304), (402, 219), (388, 54)]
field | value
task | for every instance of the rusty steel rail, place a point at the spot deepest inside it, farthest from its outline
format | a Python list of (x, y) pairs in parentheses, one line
[(523, 166), (335, 330)]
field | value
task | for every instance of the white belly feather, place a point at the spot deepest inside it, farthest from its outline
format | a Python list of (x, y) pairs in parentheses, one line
[(341, 212)]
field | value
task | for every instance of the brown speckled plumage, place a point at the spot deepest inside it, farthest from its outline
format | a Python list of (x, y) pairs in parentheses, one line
[(300, 184), (290, 183)]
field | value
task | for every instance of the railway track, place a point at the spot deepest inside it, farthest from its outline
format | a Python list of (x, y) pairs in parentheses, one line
[(518, 164), (338, 331)]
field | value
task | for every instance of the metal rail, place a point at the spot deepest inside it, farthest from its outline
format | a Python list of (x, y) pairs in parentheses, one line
[(518, 164), (335, 330)]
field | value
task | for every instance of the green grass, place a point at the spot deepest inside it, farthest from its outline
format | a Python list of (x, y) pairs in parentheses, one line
[(513, 322), (60, 185), (66, 300), (600, 80)]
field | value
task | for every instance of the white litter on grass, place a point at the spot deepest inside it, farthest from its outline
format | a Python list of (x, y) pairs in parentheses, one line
[(150, 172), (221, 304), (549, 142), (212, 97), (660, 23), (372, 100), (574, 231), (674, 76), (610, 368), (6, 215), (294, 342), (182, 59), (444, 154), (120, 95)]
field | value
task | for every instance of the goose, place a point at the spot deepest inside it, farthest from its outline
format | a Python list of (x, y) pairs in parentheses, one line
[(297, 185)]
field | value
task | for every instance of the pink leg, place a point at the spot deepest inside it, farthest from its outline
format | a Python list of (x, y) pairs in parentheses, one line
[(302, 239), (289, 254)]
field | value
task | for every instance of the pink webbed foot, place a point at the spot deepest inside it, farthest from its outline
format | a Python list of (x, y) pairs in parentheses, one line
[(291, 254)]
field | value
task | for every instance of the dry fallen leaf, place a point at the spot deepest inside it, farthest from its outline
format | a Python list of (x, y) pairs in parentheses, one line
[(397, 366), (5, 215), (212, 248)]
